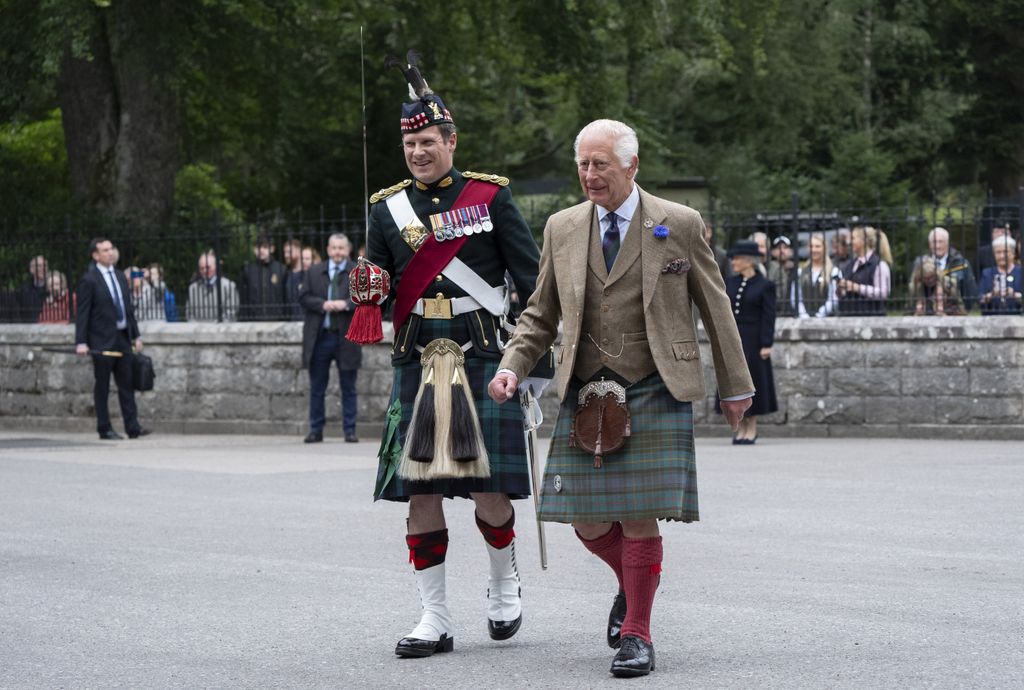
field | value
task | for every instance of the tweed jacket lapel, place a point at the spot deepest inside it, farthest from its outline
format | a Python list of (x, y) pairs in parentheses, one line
[(595, 251), (652, 249), (577, 243)]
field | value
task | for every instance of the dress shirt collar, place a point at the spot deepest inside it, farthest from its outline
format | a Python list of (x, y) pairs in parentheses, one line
[(624, 212)]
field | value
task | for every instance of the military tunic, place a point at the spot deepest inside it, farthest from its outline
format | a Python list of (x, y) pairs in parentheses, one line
[(508, 247)]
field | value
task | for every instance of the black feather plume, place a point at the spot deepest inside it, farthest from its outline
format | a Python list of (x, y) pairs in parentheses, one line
[(418, 87)]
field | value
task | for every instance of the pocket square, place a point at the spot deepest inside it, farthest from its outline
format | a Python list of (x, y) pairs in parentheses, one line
[(677, 265)]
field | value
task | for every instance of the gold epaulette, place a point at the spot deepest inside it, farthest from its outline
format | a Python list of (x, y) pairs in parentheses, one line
[(485, 177), (388, 191)]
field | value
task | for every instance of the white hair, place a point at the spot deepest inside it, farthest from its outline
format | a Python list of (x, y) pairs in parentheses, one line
[(626, 144), (1005, 241), (938, 232)]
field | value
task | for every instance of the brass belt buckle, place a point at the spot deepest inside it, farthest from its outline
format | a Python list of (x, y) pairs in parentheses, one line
[(437, 307)]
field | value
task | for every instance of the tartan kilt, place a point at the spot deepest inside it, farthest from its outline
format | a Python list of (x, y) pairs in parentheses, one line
[(501, 426), (654, 475)]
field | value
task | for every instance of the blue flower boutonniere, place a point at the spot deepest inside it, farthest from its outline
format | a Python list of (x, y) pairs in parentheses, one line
[(660, 231)]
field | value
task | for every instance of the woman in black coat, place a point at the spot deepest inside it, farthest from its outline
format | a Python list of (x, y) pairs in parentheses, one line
[(753, 304)]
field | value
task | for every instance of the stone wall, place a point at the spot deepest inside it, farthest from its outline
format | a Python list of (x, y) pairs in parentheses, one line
[(957, 377)]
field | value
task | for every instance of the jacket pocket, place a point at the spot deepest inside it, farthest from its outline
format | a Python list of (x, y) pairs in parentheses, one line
[(685, 350), (483, 331), (405, 341)]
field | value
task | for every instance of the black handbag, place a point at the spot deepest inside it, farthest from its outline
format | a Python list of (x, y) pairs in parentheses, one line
[(143, 375)]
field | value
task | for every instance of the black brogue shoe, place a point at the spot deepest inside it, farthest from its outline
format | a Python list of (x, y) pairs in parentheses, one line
[(635, 658), (615, 618)]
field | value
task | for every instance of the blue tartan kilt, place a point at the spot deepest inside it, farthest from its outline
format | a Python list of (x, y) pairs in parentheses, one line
[(654, 475), (501, 425)]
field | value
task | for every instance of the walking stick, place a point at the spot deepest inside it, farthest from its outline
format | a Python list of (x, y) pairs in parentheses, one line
[(72, 351), (532, 418)]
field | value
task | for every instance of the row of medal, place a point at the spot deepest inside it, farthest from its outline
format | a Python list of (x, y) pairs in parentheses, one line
[(468, 220)]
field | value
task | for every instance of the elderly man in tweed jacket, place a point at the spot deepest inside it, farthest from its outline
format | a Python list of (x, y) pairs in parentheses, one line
[(621, 271)]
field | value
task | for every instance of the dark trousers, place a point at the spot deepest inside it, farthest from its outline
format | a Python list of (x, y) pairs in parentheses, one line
[(327, 350), (121, 368)]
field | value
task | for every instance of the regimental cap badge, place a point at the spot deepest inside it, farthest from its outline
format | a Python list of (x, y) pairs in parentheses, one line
[(427, 108)]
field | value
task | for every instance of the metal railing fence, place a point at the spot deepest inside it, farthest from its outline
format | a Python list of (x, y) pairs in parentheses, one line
[(163, 264)]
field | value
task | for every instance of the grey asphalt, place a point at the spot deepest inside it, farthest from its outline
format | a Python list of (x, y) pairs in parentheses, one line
[(231, 562)]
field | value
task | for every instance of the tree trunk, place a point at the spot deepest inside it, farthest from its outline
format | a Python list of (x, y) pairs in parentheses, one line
[(120, 113)]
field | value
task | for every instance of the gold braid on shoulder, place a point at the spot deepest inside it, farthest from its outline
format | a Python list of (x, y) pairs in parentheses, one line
[(499, 180), (388, 191)]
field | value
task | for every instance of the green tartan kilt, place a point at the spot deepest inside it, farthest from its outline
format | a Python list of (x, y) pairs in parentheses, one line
[(654, 475), (501, 425)]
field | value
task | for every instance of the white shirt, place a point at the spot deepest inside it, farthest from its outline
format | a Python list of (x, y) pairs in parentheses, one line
[(332, 270), (624, 212), (115, 294)]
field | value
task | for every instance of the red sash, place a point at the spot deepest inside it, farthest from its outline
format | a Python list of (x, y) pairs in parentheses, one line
[(432, 256)]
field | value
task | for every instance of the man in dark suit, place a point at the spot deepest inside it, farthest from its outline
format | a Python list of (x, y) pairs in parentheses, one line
[(106, 323), (324, 296)]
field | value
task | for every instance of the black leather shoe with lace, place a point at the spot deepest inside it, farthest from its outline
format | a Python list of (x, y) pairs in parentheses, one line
[(615, 619), (635, 658), (412, 647)]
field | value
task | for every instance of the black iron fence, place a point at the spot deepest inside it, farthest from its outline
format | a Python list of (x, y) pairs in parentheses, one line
[(915, 275), (208, 271), (211, 272)]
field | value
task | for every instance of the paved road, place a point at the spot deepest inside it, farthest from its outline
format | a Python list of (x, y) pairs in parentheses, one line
[(227, 562)]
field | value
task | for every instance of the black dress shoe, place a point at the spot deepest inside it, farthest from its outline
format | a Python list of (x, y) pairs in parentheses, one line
[(502, 630), (314, 437), (635, 658), (411, 647), (110, 435), (142, 431), (351, 438), (615, 618)]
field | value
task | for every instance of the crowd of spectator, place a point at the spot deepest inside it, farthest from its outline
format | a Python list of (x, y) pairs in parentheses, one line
[(855, 277), (267, 289), (846, 274)]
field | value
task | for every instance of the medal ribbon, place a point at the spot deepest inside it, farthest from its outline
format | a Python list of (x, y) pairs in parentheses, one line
[(432, 256)]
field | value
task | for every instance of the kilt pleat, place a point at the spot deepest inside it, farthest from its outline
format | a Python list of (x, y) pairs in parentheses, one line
[(654, 475), (501, 426)]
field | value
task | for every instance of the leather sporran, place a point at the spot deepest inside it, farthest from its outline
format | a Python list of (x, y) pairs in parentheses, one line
[(600, 424)]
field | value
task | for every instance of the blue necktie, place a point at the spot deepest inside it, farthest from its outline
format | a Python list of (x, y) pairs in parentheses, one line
[(333, 288), (117, 296), (610, 244)]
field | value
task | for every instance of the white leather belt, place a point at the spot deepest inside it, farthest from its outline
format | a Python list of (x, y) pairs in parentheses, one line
[(459, 305)]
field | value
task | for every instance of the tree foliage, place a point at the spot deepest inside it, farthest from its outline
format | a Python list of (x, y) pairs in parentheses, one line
[(253, 104)]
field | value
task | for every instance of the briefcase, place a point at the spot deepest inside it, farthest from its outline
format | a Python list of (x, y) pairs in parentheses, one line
[(143, 375)]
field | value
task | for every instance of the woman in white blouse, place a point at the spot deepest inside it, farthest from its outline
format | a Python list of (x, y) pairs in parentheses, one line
[(814, 293)]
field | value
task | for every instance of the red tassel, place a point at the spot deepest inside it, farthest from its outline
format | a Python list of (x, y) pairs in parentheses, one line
[(367, 325)]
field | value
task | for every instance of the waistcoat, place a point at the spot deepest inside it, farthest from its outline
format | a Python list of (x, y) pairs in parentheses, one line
[(854, 303), (613, 314)]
